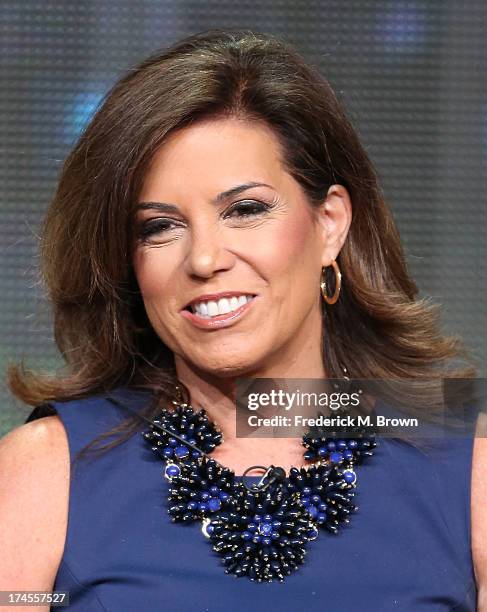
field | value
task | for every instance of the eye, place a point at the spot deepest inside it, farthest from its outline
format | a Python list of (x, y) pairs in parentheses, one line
[(156, 226), (248, 208)]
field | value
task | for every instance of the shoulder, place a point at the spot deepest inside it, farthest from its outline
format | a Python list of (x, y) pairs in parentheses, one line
[(34, 463), (479, 508)]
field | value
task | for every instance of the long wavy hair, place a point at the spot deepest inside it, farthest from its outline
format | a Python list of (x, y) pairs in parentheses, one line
[(377, 328)]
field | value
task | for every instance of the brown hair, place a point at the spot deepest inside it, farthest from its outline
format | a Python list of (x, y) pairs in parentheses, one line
[(377, 327)]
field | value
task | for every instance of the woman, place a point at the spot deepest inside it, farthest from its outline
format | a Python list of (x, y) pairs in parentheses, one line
[(199, 233)]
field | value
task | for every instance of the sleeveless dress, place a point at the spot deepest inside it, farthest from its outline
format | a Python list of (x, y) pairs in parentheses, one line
[(406, 548)]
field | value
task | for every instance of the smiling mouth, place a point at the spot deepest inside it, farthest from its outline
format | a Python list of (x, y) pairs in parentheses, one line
[(208, 321), (210, 309)]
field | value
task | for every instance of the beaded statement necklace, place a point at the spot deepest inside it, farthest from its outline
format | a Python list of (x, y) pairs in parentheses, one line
[(260, 531)]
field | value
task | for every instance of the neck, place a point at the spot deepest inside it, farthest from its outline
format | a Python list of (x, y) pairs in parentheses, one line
[(215, 391), (217, 395)]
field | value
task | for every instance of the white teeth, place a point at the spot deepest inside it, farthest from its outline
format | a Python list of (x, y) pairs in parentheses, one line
[(212, 309), (223, 306)]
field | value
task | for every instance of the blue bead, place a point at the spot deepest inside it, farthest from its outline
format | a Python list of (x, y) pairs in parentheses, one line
[(204, 495), (183, 436), (323, 451), (276, 524), (246, 535), (214, 504), (322, 507), (223, 496), (172, 470), (167, 452), (252, 526), (265, 529), (341, 445), (336, 457), (210, 529), (349, 476), (172, 442), (203, 506), (331, 445), (214, 490), (316, 499), (352, 444), (267, 518), (313, 511), (193, 440), (192, 505), (305, 501), (181, 452), (321, 518), (348, 454), (275, 535), (306, 490), (266, 541), (257, 518)]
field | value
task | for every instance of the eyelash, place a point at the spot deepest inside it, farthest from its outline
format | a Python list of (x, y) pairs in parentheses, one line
[(161, 225)]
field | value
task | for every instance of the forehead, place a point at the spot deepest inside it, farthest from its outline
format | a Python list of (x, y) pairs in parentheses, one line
[(215, 153)]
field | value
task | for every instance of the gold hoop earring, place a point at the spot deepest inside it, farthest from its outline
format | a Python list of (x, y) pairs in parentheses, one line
[(338, 284)]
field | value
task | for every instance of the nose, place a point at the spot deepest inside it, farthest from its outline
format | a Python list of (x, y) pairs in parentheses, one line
[(207, 251)]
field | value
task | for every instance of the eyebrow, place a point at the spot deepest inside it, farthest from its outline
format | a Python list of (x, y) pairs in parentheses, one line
[(221, 197)]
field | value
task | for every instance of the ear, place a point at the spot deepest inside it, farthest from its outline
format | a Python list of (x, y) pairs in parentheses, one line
[(335, 217)]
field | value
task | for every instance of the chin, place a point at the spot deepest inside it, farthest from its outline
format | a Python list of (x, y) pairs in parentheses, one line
[(226, 367)]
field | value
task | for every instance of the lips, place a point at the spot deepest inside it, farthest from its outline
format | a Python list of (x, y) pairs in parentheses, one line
[(214, 297), (220, 321)]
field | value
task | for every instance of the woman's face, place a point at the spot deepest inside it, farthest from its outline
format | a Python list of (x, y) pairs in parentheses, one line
[(228, 255)]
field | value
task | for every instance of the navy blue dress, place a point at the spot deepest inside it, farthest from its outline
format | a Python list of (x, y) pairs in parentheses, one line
[(407, 547)]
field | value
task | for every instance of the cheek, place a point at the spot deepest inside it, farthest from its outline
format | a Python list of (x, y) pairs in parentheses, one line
[(154, 279), (290, 248), (298, 236), (152, 274), (296, 268)]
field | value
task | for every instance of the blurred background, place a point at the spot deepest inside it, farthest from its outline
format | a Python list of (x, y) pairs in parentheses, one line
[(411, 74)]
